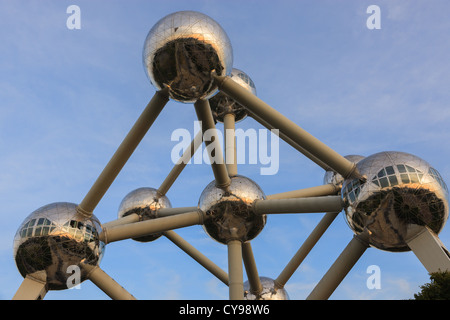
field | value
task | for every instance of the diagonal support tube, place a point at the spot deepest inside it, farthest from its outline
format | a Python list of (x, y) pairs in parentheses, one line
[(204, 115), (107, 284), (340, 268), (298, 135), (31, 289), (299, 205), (304, 250), (289, 141), (197, 255), (146, 227), (123, 153), (429, 249), (181, 164)]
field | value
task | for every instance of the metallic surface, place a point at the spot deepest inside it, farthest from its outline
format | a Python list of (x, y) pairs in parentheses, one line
[(400, 190), (269, 291), (182, 50), (221, 104), (145, 202), (54, 237), (231, 213), (336, 179)]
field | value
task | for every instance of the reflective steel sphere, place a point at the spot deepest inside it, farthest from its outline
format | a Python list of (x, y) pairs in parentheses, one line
[(54, 238), (335, 178), (145, 202), (401, 190), (232, 216), (221, 104), (269, 291), (182, 50)]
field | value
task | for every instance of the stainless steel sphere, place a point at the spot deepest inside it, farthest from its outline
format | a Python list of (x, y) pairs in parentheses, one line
[(182, 50), (335, 178), (231, 214), (269, 291), (401, 190), (145, 202), (221, 104), (55, 237)]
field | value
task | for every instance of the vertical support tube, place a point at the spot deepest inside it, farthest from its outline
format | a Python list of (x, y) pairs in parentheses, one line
[(251, 269), (235, 270), (340, 268), (229, 122), (123, 153), (219, 168), (299, 136), (304, 250)]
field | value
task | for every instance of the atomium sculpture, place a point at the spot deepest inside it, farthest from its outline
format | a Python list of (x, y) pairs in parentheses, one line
[(393, 201)]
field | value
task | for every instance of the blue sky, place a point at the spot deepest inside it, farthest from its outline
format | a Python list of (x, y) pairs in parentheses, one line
[(68, 98)]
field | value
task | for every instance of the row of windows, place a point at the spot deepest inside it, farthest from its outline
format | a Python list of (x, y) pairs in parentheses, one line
[(80, 230), (43, 226), (388, 177)]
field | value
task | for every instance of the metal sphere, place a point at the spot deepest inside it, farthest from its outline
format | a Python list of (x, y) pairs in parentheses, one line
[(221, 104), (335, 178), (182, 50), (145, 202), (231, 213), (401, 190), (269, 291), (54, 238)]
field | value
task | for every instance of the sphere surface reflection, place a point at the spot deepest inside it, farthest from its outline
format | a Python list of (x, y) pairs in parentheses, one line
[(182, 50), (231, 212), (269, 291), (401, 190), (145, 202), (54, 238), (221, 104)]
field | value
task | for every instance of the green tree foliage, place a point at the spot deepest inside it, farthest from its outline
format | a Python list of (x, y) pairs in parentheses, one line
[(437, 289)]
